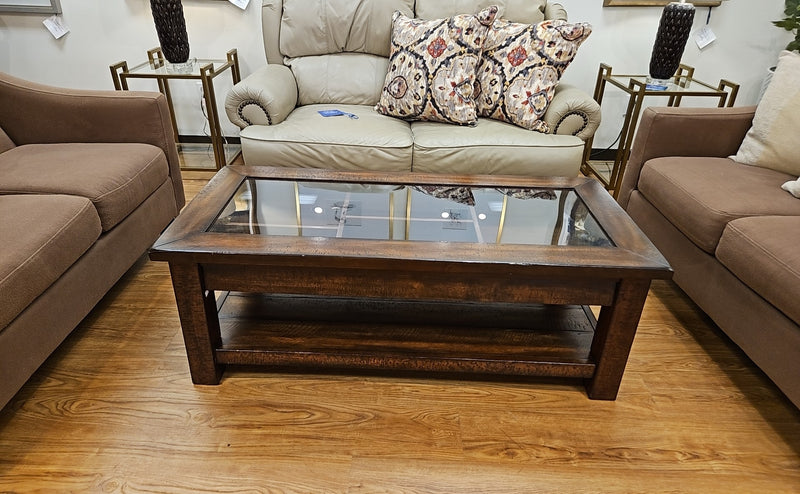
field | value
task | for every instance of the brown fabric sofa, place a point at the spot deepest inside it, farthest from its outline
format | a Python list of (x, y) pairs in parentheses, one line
[(728, 230), (88, 179)]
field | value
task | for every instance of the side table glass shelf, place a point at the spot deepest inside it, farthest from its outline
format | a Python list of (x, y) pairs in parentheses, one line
[(205, 70), (683, 84)]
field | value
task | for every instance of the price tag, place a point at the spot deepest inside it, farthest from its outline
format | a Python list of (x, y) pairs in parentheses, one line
[(55, 24), (242, 4), (704, 37)]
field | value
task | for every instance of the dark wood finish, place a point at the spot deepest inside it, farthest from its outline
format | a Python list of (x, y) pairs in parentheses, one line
[(197, 308), (407, 335), (475, 275), (612, 344)]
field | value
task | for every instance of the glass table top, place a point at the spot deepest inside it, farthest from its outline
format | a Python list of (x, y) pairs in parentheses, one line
[(541, 216), (686, 86), (189, 69)]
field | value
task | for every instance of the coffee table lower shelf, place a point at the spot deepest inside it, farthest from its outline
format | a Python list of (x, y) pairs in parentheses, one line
[(409, 336)]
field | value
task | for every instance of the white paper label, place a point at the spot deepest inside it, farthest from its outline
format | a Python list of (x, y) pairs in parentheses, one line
[(704, 37), (242, 4), (55, 24)]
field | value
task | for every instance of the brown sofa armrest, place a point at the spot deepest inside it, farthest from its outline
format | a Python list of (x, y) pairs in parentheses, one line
[(669, 131), (37, 114)]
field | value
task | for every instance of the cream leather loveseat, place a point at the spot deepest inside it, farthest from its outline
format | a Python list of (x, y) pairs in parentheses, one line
[(333, 54)]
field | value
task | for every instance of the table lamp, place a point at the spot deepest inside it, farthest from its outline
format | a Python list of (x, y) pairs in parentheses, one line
[(171, 29), (673, 32)]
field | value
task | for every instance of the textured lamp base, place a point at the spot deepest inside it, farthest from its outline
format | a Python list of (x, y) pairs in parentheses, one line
[(171, 29), (673, 32)]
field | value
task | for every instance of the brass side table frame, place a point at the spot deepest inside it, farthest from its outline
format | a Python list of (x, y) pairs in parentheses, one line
[(205, 70), (683, 84)]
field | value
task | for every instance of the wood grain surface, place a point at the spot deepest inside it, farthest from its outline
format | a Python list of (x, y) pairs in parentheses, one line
[(114, 410)]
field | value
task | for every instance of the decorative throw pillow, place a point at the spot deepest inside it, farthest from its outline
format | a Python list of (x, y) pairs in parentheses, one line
[(520, 68), (432, 67), (792, 187), (772, 140)]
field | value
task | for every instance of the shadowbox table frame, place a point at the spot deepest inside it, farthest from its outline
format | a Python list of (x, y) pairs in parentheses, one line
[(548, 286)]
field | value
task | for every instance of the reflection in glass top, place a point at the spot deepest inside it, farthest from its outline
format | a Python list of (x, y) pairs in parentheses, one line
[(687, 84), (417, 213), (190, 68)]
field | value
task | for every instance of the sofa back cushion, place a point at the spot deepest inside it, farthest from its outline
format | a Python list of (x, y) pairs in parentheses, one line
[(311, 36), (329, 78), (325, 42), (524, 11), (319, 27), (5, 142)]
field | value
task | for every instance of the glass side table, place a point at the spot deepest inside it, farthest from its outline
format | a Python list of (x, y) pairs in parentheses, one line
[(205, 70), (683, 85)]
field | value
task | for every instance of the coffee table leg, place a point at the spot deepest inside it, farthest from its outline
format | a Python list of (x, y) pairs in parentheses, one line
[(616, 328), (197, 309)]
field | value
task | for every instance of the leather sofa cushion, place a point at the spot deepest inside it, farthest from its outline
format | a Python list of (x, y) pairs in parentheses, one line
[(115, 177), (701, 195), (308, 140), (763, 253), (42, 236), (329, 78), (317, 27), (493, 147), (525, 11)]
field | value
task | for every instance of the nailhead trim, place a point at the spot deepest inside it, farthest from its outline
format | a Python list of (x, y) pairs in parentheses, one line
[(240, 111), (574, 112)]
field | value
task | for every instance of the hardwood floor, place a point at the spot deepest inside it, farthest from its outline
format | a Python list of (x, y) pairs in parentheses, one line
[(114, 410)]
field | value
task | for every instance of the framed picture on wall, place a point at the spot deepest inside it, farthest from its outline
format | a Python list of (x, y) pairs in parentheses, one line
[(655, 3), (31, 6)]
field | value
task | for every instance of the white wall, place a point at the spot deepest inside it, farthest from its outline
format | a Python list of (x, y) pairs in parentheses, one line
[(103, 32)]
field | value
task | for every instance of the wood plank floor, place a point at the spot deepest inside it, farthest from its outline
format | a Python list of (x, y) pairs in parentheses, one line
[(114, 410)]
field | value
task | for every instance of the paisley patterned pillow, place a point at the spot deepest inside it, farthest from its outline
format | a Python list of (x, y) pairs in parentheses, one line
[(520, 68), (432, 65)]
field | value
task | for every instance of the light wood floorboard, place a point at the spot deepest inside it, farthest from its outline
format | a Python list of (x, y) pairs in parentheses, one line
[(114, 410)]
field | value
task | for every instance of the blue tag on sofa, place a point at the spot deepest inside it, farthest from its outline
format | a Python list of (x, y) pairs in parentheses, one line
[(336, 113)]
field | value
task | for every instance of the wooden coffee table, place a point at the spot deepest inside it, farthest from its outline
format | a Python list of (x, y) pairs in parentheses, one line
[(472, 275)]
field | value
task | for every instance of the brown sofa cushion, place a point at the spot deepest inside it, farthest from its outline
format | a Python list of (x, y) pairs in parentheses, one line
[(115, 177), (762, 252), (701, 195), (42, 236), (5, 142)]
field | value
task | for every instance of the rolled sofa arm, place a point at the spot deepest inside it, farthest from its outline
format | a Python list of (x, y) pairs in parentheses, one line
[(687, 131), (265, 97), (572, 112)]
